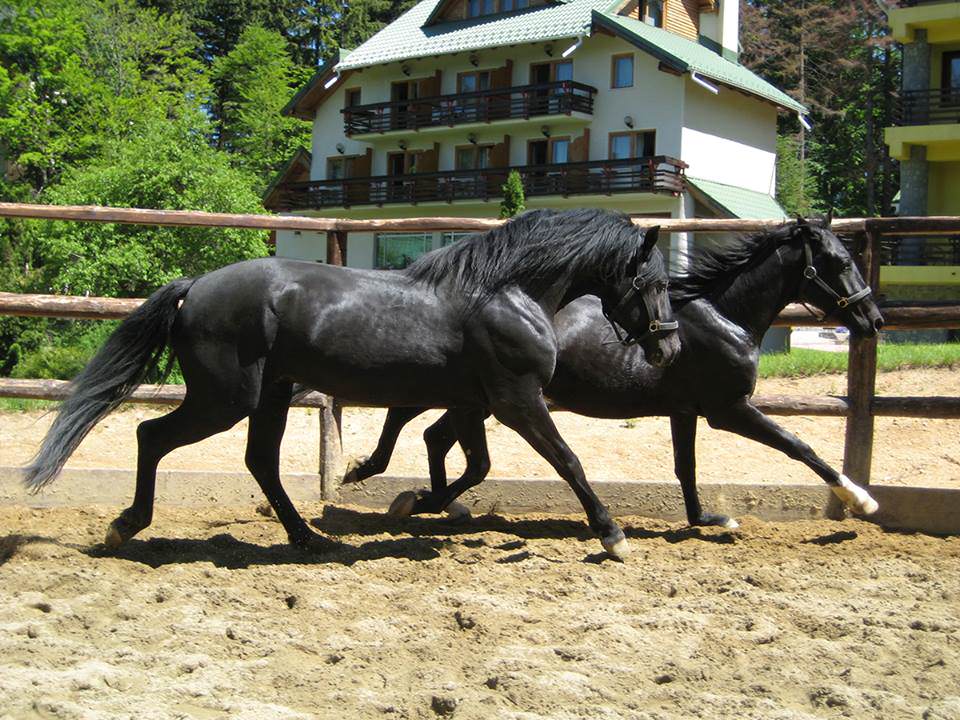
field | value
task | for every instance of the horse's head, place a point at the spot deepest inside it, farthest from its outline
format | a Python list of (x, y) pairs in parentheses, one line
[(831, 281), (640, 305)]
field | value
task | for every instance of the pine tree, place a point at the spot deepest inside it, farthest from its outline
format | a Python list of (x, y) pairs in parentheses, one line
[(514, 201)]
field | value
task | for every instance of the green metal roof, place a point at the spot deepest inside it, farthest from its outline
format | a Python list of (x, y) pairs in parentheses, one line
[(409, 36), (412, 36), (738, 201), (686, 55)]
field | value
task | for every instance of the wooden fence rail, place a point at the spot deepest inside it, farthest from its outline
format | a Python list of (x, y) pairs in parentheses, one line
[(860, 406)]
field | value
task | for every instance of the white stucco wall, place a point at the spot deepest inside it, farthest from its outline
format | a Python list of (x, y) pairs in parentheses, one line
[(730, 138)]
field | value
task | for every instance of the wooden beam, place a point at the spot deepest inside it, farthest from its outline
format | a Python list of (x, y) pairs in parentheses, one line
[(67, 306), (143, 395), (189, 218)]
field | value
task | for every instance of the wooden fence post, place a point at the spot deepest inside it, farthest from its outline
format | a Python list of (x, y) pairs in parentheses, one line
[(861, 378), (331, 449), (331, 416)]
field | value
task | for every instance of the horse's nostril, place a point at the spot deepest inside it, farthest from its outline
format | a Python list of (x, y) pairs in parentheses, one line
[(657, 357), (878, 324)]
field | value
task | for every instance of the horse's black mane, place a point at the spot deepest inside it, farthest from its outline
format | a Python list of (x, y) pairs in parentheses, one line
[(536, 250), (711, 270)]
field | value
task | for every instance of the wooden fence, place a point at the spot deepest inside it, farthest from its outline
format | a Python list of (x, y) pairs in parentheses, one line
[(860, 406)]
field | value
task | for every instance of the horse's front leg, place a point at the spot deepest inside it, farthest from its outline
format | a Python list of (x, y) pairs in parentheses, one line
[(683, 429), (361, 468), (744, 419), (523, 410)]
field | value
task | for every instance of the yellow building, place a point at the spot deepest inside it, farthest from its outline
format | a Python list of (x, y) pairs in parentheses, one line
[(926, 141)]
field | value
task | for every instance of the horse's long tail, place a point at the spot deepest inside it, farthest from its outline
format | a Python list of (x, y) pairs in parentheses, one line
[(132, 351)]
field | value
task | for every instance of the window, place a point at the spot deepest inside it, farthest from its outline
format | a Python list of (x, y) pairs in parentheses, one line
[(950, 75), (472, 157), (621, 74), (632, 144), (560, 150), (653, 12), (563, 71), (506, 5), (339, 167), (449, 238), (473, 81), (489, 7), (351, 97), (473, 8), (397, 250)]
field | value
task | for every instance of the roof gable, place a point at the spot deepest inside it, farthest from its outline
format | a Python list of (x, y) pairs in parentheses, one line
[(303, 104), (296, 169)]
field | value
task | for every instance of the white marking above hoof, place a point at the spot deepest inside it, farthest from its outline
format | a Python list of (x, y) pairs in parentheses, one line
[(402, 504), (619, 549), (855, 497), (457, 511), (731, 524)]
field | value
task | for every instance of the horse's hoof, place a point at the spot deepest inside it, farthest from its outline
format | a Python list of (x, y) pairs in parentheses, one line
[(616, 545), (113, 539), (314, 542), (458, 511), (855, 497), (351, 474), (402, 505), (716, 520)]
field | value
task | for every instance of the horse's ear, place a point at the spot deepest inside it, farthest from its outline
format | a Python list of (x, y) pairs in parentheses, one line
[(801, 220), (828, 220), (650, 238)]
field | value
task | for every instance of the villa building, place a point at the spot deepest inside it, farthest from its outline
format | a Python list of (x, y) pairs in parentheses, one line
[(639, 105)]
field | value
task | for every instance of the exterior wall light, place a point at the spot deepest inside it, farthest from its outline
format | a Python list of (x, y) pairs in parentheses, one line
[(545, 131), (570, 50), (703, 83), (628, 121), (548, 49), (340, 148), (472, 138), (474, 60), (405, 69), (402, 144)]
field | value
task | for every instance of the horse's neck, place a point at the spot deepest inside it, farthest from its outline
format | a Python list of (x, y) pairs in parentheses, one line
[(755, 298)]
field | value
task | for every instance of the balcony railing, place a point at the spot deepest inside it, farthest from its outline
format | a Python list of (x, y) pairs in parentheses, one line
[(914, 3), (928, 107), (920, 250), (555, 98), (659, 174)]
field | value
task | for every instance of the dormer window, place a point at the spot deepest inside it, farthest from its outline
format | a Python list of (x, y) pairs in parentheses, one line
[(461, 9)]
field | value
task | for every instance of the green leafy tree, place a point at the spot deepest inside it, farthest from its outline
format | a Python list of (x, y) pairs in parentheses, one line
[(795, 182), (514, 201), (167, 165), (253, 82)]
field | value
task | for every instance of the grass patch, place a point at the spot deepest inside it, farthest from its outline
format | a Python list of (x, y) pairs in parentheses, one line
[(20, 405), (802, 362)]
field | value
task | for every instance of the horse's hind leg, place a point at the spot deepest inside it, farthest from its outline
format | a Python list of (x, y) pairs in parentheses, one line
[(267, 425), (683, 428), (361, 468), (193, 421), (467, 427), (744, 419)]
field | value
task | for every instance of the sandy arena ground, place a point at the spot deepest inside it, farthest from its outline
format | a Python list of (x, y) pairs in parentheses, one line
[(519, 618), (907, 451)]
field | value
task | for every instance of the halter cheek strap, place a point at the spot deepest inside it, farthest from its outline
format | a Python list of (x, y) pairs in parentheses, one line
[(810, 275), (655, 325)]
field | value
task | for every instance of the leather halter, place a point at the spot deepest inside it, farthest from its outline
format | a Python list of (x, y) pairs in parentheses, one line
[(655, 325), (810, 275)]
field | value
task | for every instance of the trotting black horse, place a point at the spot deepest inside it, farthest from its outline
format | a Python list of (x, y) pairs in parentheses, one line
[(725, 301), (467, 326)]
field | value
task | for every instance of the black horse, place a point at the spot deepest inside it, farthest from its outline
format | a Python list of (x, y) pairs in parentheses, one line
[(467, 326), (725, 302)]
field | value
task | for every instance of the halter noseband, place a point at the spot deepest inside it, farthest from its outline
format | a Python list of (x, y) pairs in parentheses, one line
[(655, 326), (810, 275)]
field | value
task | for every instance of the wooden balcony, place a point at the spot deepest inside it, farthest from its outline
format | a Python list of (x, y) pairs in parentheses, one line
[(484, 106), (928, 107), (659, 174)]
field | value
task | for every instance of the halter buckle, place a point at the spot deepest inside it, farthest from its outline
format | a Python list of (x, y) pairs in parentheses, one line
[(636, 284), (810, 272), (842, 302)]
